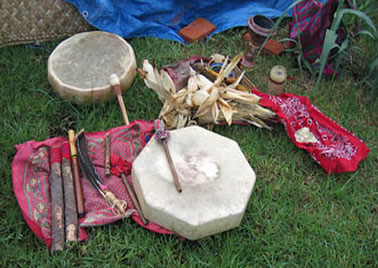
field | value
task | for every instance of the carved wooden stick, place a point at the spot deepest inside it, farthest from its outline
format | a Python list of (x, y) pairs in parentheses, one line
[(114, 81), (70, 211), (57, 200), (76, 175)]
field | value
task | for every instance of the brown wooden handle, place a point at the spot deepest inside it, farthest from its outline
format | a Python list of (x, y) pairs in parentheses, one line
[(134, 198), (78, 188), (76, 175), (123, 109), (172, 166), (114, 81), (71, 138)]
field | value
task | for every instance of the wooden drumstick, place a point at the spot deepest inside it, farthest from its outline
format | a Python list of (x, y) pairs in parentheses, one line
[(161, 135), (76, 175), (134, 198), (114, 81)]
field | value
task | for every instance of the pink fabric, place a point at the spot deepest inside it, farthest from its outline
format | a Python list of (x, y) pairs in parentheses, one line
[(338, 150), (31, 167), (311, 19)]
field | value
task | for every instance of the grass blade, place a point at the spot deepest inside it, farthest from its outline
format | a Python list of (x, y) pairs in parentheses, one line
[(360, 14), (328, 45)]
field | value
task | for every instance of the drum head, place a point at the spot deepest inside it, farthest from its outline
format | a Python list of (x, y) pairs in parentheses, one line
[(79, 68)]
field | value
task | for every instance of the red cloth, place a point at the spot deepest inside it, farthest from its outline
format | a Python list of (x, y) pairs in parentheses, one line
[(338, 150), (31, 169)]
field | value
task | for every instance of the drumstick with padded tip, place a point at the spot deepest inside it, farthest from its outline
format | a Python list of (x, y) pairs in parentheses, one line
[(114, 81)]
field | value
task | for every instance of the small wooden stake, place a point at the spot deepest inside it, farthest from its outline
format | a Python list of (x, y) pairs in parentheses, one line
[(114, 81), (107, 154)]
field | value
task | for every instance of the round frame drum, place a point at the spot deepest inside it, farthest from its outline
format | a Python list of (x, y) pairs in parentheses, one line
[(80, 67)]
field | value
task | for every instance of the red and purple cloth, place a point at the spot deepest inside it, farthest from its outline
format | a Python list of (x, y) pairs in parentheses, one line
[(31, 169)]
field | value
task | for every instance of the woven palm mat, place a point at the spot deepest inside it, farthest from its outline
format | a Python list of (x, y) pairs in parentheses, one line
[(30, 21)]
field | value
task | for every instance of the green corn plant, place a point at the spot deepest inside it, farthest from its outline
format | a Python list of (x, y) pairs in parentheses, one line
[(339, 52), (343, 49), (298, 51)]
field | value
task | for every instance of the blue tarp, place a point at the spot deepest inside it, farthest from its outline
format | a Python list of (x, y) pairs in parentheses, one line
[(164, 18)]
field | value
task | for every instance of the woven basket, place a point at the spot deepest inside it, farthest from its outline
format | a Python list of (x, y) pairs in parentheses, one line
[(30, 21)]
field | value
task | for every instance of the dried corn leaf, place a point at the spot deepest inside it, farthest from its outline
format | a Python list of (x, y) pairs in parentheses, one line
[(214, 111), (200, 97), (192, 84), (202, 81), (237, 82), (167, 82), (239, 96), (218, 58), (226, 110), (181, 121), (255, 110), (206, 105), (153, 80), (224, 72), (219, 79)]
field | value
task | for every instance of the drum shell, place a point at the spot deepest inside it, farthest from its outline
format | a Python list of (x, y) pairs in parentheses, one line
[(104, 92)]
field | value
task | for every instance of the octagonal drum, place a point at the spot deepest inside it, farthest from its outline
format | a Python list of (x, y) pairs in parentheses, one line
[(216, 180), (79, 68)]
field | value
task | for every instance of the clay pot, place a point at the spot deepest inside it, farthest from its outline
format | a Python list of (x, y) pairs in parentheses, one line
[(259, 28)]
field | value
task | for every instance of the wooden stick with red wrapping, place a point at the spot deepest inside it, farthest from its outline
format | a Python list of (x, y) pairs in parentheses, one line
[(114, 81)]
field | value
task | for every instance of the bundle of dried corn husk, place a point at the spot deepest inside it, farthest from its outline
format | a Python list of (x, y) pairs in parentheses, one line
[(204, 101)]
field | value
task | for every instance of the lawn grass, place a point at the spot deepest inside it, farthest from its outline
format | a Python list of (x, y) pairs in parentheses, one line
[(297, 215)]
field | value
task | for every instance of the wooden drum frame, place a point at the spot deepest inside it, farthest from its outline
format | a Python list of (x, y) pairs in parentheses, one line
[(79, 68)]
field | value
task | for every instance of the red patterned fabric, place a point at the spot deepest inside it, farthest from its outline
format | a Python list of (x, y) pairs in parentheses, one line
[(31, 168), (337, 150)]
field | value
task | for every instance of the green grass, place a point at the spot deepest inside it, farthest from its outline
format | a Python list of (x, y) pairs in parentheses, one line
[(297, 215)]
